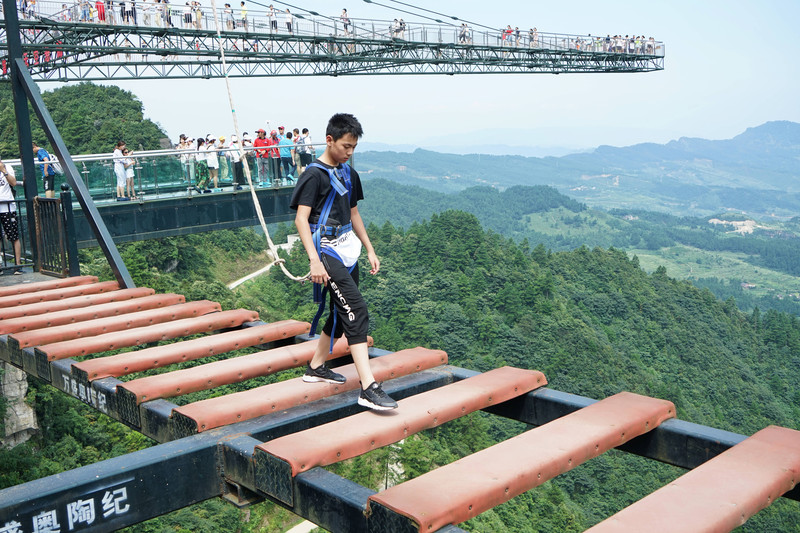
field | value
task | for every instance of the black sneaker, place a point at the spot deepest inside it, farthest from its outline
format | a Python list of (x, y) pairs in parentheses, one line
[(374, 398), (18, 271), (322, 373)]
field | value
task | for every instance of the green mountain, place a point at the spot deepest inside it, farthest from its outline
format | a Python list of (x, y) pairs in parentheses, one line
[(758, 269), (91, 119), (755, 172)]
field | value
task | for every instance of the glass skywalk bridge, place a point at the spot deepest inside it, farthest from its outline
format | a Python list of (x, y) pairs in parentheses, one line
[(168, 200), (62, 42)]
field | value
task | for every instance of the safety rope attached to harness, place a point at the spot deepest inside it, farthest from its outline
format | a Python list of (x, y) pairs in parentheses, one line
[(272, 249)]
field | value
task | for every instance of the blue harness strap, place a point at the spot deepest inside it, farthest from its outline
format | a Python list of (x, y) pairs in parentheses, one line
[(320, 229)]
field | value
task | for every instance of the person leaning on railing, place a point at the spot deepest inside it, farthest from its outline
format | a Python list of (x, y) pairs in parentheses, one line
[(9, 226)]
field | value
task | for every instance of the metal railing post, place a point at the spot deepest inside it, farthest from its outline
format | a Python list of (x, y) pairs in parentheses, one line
[(69, 230)]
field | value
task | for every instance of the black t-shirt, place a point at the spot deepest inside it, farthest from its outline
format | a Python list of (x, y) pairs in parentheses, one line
[(313, 188)]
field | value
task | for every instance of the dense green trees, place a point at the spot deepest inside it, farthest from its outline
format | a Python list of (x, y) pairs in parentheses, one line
[(591, 319), (91, 119), (596, 324)]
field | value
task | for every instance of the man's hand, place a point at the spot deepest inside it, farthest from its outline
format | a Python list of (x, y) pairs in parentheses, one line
[(374, 262), (318, 272)]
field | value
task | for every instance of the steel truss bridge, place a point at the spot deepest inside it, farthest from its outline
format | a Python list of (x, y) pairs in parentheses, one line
[(62, 50)]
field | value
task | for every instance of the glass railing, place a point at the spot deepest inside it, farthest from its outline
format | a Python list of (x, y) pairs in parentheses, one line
[(172, 173), (312, 24)]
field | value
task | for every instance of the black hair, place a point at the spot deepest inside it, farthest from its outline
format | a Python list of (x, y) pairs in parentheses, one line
[(305, 130), (288, 134), (341, 124)]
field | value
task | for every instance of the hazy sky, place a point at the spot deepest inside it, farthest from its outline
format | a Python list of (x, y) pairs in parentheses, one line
[(729, 66)]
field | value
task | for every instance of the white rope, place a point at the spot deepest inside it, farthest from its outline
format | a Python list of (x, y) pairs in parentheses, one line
[(272, 249)]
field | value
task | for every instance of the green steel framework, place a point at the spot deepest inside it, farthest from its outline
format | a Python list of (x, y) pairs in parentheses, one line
[(68, 51)]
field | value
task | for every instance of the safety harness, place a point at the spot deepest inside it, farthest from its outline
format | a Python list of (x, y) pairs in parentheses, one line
[(320, 229)]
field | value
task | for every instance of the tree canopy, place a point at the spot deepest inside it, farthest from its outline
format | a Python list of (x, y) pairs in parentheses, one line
[(91, 119)]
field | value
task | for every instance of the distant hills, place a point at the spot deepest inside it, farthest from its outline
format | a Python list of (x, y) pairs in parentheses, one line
[(756, 172)]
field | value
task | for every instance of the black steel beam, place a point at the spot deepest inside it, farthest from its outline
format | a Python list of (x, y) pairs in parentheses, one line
[(73, 177), (69, 228), (224, 461), (85, 51), (23, 117), (118, 492)]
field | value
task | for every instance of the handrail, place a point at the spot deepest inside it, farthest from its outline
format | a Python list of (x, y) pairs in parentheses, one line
[(311, 23)]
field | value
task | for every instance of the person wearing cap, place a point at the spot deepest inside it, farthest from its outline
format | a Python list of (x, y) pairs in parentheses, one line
[(223, 160), (236, 159), (274, 158), (262, 158), (212, 160), (281, 133), (187, 158)]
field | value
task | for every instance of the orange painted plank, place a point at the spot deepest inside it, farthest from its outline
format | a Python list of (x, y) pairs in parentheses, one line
[(137, 336), (100, 326), (160, 356), (364, 432), (722, 493), (21, 288), (81, 315), (233, 370), (224, 410), (76, 302), (478, 482), (57, 294)]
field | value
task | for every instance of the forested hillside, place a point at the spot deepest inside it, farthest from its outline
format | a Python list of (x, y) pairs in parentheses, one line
[(541, 215), (91, 119)]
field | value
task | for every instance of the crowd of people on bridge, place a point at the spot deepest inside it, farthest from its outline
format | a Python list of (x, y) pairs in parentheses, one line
[(191, 15), (513, 37), (162, 13), (275, 159)]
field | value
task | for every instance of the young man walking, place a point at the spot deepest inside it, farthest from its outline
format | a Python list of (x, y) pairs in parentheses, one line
[(326, 199)]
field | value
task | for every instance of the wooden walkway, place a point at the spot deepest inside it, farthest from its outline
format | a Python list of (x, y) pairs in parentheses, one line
[(85, 337)]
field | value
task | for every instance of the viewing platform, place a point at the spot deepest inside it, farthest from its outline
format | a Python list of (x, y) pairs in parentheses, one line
[(157, 42)]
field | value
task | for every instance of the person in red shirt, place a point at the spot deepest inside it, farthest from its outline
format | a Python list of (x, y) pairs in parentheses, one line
[(274, 158), (262, 156)]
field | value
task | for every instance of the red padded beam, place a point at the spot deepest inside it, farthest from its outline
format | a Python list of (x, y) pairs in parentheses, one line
[(57, 294), (82, 315), (478, 482), (100, 326), (76, 302), (364, 432), (159, 356), (234, 370), (224, 410), (722, 493), (21, 288), (138, 336)]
